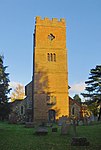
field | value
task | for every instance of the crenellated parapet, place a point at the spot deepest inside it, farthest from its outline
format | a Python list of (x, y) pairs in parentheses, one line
[(52, 22)]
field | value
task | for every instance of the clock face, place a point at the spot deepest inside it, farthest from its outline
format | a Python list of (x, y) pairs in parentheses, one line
[(51, 37)]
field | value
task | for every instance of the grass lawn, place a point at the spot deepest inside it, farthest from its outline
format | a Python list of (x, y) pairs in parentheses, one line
[(17, 137)]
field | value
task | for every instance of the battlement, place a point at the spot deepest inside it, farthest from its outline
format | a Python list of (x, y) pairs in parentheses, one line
[(53, 21)]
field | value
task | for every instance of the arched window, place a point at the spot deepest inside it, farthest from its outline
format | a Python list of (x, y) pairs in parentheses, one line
[(54, 57), (72, 110), (51, 115), (48, 56), (21, 109), (51, 57)]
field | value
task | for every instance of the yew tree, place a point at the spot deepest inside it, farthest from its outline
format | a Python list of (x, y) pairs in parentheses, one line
[(4, 90), (93, 88)]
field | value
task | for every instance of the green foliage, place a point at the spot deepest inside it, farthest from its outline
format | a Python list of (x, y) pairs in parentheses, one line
[(4, 90), (93, 107), (93, 89), (93, 85)]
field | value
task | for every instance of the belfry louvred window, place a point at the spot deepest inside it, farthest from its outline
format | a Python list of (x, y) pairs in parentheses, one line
[(51, 57)]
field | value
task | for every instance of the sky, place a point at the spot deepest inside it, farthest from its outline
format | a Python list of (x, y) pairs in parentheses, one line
[(83, 37)]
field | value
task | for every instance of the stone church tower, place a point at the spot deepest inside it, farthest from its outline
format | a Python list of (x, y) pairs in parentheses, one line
[(50, 73)]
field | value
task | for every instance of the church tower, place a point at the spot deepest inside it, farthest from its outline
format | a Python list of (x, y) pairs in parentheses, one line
[(50, 71)]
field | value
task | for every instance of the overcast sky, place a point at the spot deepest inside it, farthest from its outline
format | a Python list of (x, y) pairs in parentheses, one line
[(83, 19)]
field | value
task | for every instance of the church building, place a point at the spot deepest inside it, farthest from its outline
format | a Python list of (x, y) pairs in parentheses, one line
[(47, 99)]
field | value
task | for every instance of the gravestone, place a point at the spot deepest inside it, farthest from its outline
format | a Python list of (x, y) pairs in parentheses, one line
[(79, 141), (65, 129), (29, 125), (41, 131)]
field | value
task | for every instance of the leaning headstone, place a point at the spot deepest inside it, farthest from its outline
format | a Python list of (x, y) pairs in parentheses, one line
[(29, 125), (65, 129), (41, 131), (79, 141)]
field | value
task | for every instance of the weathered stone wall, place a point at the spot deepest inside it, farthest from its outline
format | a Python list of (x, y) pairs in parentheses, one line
[(18, 111)]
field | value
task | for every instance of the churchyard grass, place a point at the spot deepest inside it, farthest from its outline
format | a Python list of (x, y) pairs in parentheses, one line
[(17, 137)]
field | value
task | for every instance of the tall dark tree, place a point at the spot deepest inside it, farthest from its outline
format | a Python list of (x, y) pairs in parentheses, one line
[(93, 88), (4, 90)]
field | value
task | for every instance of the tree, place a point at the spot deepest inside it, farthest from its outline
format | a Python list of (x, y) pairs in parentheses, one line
[(93, 89), (18, 93), (77, 98), (4, 90)]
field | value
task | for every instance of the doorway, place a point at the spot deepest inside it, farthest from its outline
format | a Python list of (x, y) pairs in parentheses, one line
[(51, 115)]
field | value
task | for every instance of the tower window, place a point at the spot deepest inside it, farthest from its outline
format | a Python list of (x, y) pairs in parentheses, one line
[(51, 57), (48, 56), (51, 37), (54, 57)]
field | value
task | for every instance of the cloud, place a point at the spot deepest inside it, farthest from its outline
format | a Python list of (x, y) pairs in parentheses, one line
[(77, 88)]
